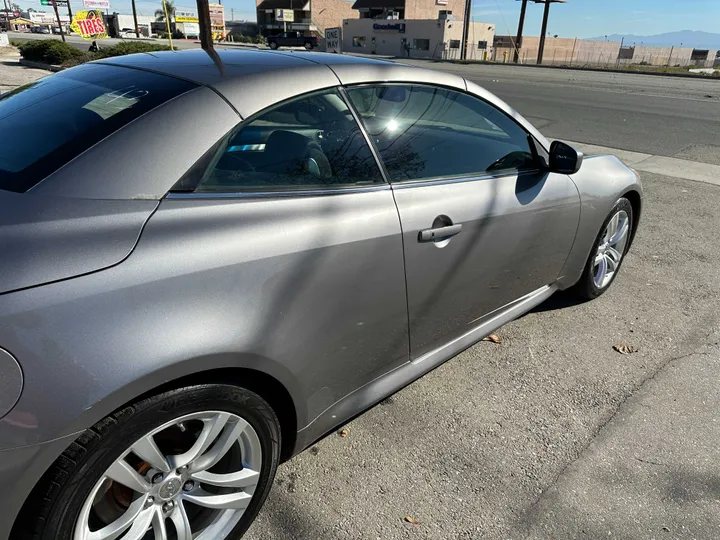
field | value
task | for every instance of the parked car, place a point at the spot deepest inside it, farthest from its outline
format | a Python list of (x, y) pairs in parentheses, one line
[(183, 309), (292, 39), (126, 33)]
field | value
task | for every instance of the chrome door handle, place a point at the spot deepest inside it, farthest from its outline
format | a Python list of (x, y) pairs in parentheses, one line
[(441, 233)]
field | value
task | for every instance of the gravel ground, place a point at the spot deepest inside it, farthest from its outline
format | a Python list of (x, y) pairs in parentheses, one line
[(479, 447)]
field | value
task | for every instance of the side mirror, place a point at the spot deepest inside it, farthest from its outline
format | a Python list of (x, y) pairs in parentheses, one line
[(565, 159)]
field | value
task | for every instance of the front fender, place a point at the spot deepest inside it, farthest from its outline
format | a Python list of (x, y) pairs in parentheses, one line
[(601, 181)]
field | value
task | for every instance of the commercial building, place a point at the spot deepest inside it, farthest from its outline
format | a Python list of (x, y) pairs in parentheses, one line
[(427, 38), (116, 22), (310, 17)]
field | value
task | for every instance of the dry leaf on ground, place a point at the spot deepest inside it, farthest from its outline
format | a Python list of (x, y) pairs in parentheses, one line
[(493, 338), (624, 348), (412, 520)]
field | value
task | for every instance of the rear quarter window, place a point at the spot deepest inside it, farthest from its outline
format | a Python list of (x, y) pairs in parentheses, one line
[(45, 124)]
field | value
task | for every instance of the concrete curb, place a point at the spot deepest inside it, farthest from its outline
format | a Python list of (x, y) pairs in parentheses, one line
[(41, 65), (664, 165)]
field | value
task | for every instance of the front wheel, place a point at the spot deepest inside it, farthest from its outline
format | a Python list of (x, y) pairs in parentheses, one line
[(607, 252), (273, 46), (189, 463), (309, 46)]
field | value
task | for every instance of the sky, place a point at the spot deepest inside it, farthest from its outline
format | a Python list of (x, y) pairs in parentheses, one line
[(576, 18)]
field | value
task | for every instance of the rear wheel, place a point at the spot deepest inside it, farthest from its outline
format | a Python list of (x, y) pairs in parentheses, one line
[(308, 46), (194, 463), (273, 45), (607, 253)]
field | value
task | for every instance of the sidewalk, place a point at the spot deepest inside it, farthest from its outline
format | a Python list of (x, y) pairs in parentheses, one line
[(12, 74)]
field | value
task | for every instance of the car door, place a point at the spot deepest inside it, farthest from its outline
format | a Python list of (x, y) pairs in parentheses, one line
[(294, 243), (483, 223)]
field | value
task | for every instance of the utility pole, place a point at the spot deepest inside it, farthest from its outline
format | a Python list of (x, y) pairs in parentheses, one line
[(69, 11), (167, 24), (137, 32), (206, 41), (546, 15), (464, 43), (57, 16), (518, 38)]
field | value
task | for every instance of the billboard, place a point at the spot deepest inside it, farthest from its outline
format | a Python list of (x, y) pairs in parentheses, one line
[(284, 15), (333, 43), (89, 24)]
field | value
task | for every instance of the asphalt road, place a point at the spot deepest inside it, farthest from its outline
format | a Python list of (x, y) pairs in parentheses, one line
[(551, 433), (669, 116)]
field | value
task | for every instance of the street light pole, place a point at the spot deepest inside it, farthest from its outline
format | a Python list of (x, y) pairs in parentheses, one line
[(518, 38), (57, 16), (541, 48), (206, 41)]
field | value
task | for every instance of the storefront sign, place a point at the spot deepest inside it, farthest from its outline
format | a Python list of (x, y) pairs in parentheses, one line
[(186, 19), (389, 27), (441, 2), (103, 4), (58, 3), (89, 24), (191, 29), (333, 43), (285, 15)]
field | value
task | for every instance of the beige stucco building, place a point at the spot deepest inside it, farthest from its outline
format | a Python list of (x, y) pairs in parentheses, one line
[(416, 38)]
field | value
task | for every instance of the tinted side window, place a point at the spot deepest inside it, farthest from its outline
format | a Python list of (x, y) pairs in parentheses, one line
[(428, 132), (45, 124), (311, 141)]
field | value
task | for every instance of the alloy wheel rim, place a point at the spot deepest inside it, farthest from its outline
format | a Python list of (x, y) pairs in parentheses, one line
[(201, 492), (611, 249)]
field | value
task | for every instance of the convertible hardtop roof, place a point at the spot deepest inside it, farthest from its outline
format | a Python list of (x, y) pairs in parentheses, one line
[(253, 79)]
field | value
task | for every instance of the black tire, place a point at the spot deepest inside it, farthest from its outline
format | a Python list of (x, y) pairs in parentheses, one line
[(53, 508), (585, 288), (309, 46), (273, 45)]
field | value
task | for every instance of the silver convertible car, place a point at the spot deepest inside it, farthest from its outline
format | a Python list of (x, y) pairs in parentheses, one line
[(209, 262)]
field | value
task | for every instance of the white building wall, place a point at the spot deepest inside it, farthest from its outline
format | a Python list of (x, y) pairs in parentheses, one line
[(427, 38)]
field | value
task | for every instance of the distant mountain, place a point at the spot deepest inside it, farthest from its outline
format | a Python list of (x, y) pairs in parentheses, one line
[(688, 38)]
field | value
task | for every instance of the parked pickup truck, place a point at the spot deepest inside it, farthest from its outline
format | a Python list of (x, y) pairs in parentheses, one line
[(292, 39)]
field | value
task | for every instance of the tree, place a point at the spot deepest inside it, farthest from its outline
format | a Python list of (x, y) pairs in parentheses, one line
[(160, 13)]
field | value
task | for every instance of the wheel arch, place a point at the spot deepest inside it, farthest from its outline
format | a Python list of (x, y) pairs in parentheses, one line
[(636, 201)]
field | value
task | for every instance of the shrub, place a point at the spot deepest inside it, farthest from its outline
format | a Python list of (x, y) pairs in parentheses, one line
[(128, 47), (48, 51)]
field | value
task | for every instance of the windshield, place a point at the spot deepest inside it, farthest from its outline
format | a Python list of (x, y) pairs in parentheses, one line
[(45, 124)]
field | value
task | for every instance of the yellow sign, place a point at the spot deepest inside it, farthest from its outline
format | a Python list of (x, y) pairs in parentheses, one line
[(89, 24), (182, 18)]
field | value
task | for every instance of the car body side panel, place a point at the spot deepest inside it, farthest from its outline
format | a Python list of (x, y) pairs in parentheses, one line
[(309, 290), (144, 159), (517, 231), (46, 239), (601, 181)]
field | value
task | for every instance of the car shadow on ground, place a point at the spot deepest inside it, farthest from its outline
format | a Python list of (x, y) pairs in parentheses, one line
[(559, 300)]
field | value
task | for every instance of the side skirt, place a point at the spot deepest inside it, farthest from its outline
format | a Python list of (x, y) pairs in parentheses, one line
[(359, 401)]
